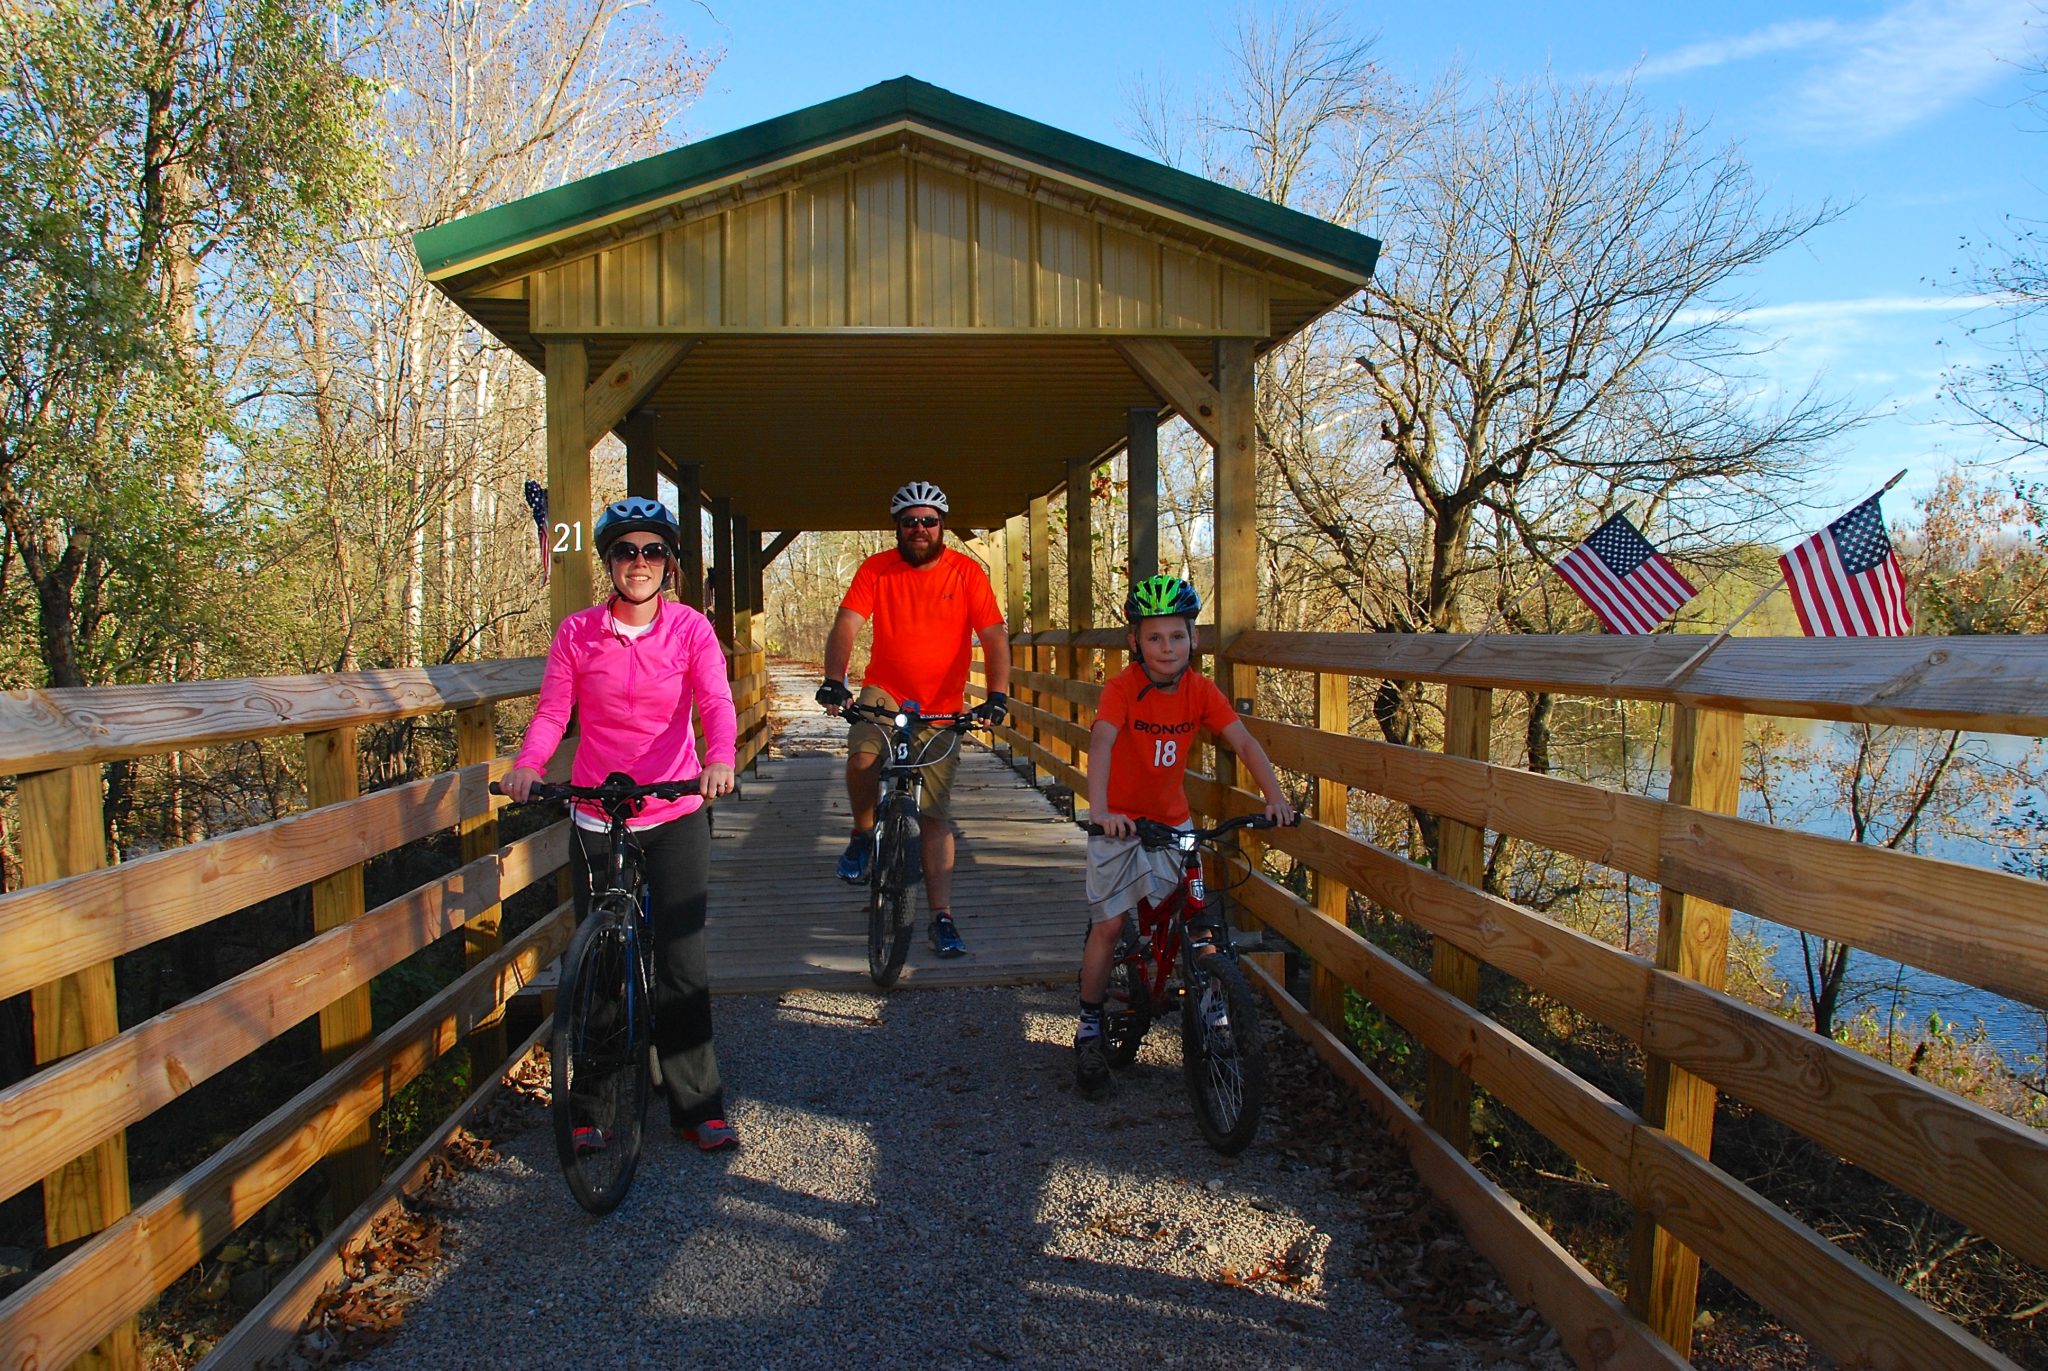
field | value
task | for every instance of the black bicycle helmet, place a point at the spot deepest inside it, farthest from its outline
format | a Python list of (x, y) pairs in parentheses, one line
[(635, 514), (1158, 596)]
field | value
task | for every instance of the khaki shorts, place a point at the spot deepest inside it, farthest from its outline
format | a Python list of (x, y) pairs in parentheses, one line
[(1122, 872), (938, 747)]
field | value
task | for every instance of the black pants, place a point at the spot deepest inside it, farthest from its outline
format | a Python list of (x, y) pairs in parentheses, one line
[(677, 857)]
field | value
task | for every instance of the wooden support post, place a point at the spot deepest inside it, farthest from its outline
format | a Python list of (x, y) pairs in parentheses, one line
[(476, 741), (1692, 940), (1236, 532), (721, 569), (739, 552), (1461, 855), (690, 515), (1013, 573), (1333, 808), (1142, 494), (643, 455), (1041, 606), (63, 833), (1080, 663), (569, 531), (332, 775)]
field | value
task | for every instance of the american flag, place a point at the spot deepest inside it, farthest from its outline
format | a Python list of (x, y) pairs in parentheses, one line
[(1845, 580), (537, 501), (1629, 585)]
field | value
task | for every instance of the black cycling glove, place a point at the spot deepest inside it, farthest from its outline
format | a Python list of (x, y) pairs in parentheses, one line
[(833, 693), (995, 709)]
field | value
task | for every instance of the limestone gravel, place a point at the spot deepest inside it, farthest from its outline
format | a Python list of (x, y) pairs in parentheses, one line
[(919, 1186)]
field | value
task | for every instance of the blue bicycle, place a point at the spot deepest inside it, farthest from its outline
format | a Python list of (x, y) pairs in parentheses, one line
[(603, 1038)]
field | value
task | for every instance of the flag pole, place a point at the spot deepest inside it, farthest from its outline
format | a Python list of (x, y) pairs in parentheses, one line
[(1758, 603)]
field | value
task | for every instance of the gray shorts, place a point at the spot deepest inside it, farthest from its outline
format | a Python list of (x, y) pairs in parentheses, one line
[(1122, 872)]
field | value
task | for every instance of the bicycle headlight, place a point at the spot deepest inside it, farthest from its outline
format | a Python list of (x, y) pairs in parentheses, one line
[(1185, 841), (903, 721)]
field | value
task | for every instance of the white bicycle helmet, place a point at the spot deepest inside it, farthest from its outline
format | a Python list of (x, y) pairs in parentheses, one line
[(918, 493)]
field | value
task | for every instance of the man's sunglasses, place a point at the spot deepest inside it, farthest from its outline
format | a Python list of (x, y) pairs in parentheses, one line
[(652, 552), (920, 521)]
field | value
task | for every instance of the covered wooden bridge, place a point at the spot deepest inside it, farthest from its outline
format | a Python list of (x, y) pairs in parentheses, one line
[(789, 321)]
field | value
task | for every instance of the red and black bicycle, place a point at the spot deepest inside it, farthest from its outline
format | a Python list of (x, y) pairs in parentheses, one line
[(1180, 949)]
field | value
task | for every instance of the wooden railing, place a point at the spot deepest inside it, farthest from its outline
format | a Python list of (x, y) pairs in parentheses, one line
[(64, 1125), (1983, 927)]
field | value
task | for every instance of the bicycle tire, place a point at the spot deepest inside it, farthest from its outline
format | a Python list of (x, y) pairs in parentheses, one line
[(598, 1051), (1127, 1010), (1223, 1055), (888, 924)]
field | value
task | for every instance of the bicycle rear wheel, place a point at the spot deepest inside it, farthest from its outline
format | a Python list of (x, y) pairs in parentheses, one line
[(603, 1027), (1127, 1007), (1223, 1056), (888, 895)]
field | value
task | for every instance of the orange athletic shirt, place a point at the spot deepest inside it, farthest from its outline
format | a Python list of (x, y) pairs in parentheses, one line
[(1149, 761), (924, 619)]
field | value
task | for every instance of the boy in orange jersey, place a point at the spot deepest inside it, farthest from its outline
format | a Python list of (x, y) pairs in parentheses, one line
[(1137, 766)]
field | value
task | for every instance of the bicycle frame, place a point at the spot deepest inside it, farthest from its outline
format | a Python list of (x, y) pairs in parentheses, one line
[(901, 774)]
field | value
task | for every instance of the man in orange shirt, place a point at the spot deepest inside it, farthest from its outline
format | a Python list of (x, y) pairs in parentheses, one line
[(926, 600)]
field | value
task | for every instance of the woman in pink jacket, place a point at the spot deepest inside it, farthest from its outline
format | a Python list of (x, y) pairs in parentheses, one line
[(633, 669)]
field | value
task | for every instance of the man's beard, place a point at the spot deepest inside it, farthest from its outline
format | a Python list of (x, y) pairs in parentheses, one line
[(916, 558)]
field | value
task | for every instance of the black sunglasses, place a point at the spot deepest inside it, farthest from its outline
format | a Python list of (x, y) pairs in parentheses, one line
[(920, 521), (652, 552)]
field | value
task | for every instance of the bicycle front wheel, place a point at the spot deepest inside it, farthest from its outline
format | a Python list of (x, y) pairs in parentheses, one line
[(888, 893), (602, 1031), (1223, 1056)]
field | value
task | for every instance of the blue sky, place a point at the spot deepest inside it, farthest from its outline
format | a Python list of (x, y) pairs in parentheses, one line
[(1909, 115)]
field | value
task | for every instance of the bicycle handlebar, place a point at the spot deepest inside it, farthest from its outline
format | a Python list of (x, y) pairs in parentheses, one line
[(958, 723), (614, 788), (1154, 834)]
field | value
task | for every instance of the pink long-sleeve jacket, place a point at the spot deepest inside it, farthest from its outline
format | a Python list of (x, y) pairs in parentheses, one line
[(634, 697)]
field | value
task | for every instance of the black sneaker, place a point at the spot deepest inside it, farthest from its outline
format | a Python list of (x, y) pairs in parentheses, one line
[(945, 938), (1091, 1064)]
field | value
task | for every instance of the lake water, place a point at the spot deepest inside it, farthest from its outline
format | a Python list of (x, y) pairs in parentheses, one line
[(1805, 798)]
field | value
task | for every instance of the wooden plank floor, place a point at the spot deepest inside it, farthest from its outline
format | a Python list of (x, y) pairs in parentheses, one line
[(780, 919)]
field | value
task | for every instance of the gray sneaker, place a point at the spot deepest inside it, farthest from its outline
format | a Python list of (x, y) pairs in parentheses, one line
[(1091, 1064)]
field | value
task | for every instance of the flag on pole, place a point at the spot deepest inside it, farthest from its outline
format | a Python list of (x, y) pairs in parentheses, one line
[(537, 501), (1629, 585), (1845, 580)]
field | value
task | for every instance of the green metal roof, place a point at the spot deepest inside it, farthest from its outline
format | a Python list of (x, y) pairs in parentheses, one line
[(654, 178)]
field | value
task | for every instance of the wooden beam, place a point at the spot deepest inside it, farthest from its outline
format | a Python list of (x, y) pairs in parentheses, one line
[(722, 579), (1080, 661), (1692, 941), (1176, 380), (1041, 659), (627, 382), (741, 579), (1461, 855), (569, 531), (643, 455), (63, 833), (476, 744), (1332, 808), (334, 777), (1141, 460), (778, 544), (1235, 526), (1013, 573)]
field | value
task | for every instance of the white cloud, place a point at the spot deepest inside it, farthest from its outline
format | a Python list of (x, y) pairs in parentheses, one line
[(1864, 81), (1791, 318)]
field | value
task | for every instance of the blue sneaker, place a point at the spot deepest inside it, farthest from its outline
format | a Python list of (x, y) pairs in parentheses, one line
[(945, 938), (853, 863)]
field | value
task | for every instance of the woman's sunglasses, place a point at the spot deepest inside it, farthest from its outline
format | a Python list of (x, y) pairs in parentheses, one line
[(920, 521), (652, 552)]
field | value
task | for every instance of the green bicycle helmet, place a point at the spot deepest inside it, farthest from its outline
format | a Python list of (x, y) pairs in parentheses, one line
[(1158, 596)]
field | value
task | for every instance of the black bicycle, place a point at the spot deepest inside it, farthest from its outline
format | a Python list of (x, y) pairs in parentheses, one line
[(603, 1036), (1223, 1056), (894, 863)]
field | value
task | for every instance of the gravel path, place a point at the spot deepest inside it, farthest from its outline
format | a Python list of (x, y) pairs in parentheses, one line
[(919, 1186)]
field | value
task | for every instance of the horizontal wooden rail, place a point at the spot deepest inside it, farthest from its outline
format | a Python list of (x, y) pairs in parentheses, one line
[(61, 1111), (1846, 1309), (1988, 684), (1994, 1172), (1596, 1328), (1969, 923), (67, 1309), (44, 729), (1087, 694), (55, 929), (1117, 637)]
